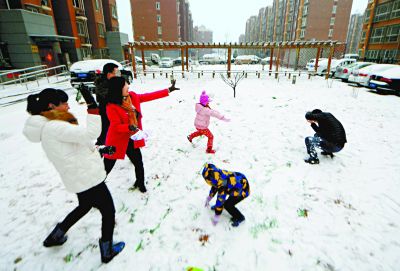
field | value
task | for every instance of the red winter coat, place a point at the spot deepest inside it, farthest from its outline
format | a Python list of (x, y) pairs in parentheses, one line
[(118, 133)]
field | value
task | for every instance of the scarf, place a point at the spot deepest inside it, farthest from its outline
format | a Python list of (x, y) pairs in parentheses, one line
[(60, 115), (131, 110)]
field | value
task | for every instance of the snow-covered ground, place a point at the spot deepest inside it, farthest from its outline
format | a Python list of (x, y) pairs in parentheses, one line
[(352, 201)]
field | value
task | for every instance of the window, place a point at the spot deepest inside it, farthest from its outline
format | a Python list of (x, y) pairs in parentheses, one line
[(393, 33), (334, 9), (330, 34), (382, 12), (305, 10), (157, 5), (159, 30), (100, 28), (367, 14), (395, 10), (332, 21), (158, 18), (32, 9), (364, 33), (304, 22), (76, 3), (96, 4), (44, 2), (114, 12), (372, 54), (377, 35), (302, 33), (81, 28)]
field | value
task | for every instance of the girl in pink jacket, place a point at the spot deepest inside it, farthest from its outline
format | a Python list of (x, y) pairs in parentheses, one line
[(202, 121)]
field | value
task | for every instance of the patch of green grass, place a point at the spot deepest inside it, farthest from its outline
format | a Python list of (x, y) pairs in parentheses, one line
[(17, 260), (139, 246), (266, 225), (68, 258)]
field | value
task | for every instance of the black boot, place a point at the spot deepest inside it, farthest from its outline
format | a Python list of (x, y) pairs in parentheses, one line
[(327, 154), (108, 250), (312, 160), (56, 238), (142, 187)]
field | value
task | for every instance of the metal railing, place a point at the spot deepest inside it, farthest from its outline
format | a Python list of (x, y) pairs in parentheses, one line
[(51, 72), (15, 73)]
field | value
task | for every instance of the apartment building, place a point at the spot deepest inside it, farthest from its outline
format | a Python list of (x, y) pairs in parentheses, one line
[(380, 39), (202, 34), (354, 33)]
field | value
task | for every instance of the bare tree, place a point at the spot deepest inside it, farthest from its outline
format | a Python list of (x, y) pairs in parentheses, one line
[(233, 81)]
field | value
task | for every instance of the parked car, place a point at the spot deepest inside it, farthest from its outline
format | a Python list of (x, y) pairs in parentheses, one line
[(266, 61), (323, 66), (86, 71), (355, 56), (386, 81), (247, 59), (344, 72), (310, 66), (211, 59), (166, 62), (178, 61), (362, 76)]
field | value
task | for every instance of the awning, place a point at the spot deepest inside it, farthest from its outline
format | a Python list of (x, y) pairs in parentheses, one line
[(39, 38)]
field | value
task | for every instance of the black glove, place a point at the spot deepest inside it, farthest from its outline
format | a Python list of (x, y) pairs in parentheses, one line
[(106, 149), (172, 87), (133, 128)]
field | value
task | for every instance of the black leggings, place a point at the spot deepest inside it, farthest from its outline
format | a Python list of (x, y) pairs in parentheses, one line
[(99, 197), (136, 158), (230, 207)]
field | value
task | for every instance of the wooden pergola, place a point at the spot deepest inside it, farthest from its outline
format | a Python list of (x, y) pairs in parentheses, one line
[(279, 46)]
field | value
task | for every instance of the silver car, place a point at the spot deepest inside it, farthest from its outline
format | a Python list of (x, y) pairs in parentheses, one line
[(345, 71), (363, 76)]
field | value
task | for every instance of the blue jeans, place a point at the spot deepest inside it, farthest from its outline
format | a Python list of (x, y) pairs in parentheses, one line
[(316, 141)]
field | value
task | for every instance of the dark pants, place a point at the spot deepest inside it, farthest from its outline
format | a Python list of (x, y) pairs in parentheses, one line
[(136, 158), (100, 198), (229, 206), (316, 141), (105, 123)]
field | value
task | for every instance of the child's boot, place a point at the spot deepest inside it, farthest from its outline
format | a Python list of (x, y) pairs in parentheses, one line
[(312, 160), (188, 138), (237, 221), (108, 250), (210, 150), (56, 238)]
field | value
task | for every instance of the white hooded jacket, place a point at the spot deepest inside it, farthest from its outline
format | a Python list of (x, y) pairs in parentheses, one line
[(70, 148)]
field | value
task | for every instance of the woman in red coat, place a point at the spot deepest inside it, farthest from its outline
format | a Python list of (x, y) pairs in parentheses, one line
[(125, 116)]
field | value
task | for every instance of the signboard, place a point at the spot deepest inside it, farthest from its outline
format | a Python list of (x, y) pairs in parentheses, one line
[(34, 49)]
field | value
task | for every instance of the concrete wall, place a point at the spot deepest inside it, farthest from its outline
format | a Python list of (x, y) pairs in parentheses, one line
[(115, 41), (15, 28)]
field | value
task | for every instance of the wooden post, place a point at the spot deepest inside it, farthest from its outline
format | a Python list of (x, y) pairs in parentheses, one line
[(317, 59), (229, 61), (133, 62), (183, 59), (328, 70), (277, 62), (296, 64), (187, 58), (270, 61), (143, 63)]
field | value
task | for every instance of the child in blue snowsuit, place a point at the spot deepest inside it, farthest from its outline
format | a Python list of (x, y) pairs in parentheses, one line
[(225, 183)]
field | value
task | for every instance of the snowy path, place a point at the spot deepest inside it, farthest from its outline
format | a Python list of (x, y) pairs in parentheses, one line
[(352, 201)]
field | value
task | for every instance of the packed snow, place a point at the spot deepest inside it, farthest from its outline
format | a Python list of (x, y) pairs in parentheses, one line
[(343, 214)]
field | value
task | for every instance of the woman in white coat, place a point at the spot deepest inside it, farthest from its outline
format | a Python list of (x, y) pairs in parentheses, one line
[(71, 150)]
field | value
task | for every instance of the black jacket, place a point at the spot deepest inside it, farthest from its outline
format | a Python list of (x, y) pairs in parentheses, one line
[(101, 84), (328, 127)]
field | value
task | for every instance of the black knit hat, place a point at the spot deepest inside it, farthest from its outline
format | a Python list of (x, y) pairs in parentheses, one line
[(309, 115)]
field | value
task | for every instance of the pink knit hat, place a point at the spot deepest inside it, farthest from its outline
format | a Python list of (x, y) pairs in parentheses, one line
[(204, 99)]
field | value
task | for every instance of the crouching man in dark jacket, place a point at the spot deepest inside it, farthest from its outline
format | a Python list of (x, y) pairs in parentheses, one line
[(330, 135)]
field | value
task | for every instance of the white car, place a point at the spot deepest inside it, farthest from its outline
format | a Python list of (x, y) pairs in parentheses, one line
[(310, 66), (247, 59), (86, 71), (323, 66), (166, 62), (212, 59), (345, 71), (362, 76)]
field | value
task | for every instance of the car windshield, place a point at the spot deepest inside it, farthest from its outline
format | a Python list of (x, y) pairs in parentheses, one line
[(351, 65), (165, 59)]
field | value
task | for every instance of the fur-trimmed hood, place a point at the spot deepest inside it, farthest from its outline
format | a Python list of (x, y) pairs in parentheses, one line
[(34, 124)]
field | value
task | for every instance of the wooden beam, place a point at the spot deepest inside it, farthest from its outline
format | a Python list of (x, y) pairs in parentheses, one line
[(143, 61), (317, 59), (229, 61), (133, 61), (270, 59), (187, 58), (183, 59), (328, 70)]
